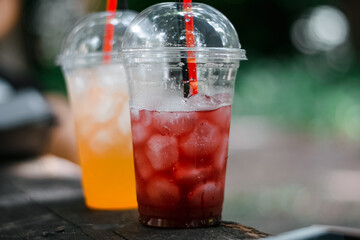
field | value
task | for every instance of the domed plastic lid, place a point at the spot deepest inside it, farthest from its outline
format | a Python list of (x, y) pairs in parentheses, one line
[(86, 39), (161, 28)]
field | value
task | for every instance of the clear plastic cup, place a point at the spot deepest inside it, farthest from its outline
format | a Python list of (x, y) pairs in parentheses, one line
[(180, 143), (97, 86)]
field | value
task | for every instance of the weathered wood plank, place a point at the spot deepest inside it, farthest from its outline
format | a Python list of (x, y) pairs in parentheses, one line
[(226, 230), (124, 224), (23, 218), (54, 208)]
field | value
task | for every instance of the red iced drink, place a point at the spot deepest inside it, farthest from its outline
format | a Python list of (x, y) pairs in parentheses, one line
[(180, 165), (181, 79)]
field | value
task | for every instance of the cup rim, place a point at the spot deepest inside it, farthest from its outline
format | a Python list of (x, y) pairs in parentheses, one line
[(176, 52), (183, 52), (116, 57)]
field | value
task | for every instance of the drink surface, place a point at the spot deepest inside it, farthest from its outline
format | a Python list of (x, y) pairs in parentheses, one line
[(102, 120), (180, 164)]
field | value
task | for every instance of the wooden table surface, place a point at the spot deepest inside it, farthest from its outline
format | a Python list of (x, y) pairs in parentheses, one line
[(52, 207)]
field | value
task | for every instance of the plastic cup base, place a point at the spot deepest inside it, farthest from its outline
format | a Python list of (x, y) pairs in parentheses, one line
[(174, 223)]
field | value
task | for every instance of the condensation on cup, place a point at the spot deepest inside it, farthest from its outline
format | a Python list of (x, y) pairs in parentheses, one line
[(180, 141)]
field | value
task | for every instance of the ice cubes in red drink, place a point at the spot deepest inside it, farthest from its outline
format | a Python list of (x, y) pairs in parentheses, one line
[(207, 195), (180, 161), (202, 141), (221, 154), (139, 133), (142, 165), (162, 151), (140, 121), (162, 192), (176, 124), (189, 177)]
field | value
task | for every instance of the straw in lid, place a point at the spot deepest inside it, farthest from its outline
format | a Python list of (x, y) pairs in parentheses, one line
[(157, 30)]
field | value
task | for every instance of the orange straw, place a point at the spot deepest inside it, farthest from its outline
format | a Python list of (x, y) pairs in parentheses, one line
[(190, 42), (109, 30)]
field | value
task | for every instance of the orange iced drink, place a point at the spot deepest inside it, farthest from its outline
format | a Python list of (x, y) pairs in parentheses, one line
[(92, 61), (99, 100)]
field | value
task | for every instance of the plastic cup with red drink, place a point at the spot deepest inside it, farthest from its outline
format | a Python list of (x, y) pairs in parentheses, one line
[(181, 61)]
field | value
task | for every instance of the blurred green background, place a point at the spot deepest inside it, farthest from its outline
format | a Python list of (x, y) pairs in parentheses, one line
[(303, 68)]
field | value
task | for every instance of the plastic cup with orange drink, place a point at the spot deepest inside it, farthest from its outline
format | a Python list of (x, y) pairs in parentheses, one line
[(96, 82)]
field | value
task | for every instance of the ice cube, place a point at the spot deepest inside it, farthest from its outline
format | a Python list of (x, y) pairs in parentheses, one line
[(141, 116), (202, 142), (174, 102), (224, 97), (79, 80), (111, 75), (207, 195), (203, 102), (91, 97), (162, 151), (220, 117), (102, 141), (85, 127), (188, 176), (145, 118), (135, 114), (79, 84), (140, 121), (174, 123), (142, 164), (124, 119), (139, 133), (105, 109), (221, 154), (162, 192)]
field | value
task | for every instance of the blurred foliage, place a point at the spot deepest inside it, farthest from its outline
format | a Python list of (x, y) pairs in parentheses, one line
[(292, 92), (285, 208)]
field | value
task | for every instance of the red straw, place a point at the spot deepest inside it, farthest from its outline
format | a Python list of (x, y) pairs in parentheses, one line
[(190, 42), (109, 29)]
